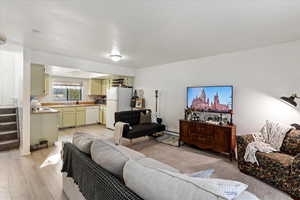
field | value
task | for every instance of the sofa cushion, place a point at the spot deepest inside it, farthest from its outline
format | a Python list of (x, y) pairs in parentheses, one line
[(83, 141), (151, 163), (145, 118), (113, 157), (276, 163), (291, 143), (166, 185), (150, 128)]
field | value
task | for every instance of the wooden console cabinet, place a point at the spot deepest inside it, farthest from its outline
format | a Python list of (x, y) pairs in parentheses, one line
[(207, 136)]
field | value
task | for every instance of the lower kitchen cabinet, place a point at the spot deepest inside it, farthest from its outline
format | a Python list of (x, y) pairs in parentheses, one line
[(102, 114), (69, 118), (104, 117), (43, 127), (80, 117), (60, 117)]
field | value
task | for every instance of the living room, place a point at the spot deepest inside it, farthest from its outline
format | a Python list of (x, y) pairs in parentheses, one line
[(171, 49)]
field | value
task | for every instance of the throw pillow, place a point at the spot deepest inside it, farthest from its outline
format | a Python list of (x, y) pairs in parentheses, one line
[(113, 157), (145, 118), (83, 141)]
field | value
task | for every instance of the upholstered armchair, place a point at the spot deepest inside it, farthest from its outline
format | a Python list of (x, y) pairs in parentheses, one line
[(280, 169)]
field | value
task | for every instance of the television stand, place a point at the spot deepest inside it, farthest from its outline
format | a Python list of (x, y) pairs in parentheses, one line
[(218, 138)]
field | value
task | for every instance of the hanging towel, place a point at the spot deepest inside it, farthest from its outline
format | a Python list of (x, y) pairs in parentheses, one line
[(119, 126)]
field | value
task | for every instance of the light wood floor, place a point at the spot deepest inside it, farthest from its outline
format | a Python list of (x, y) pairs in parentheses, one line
[(38, 177), (34, 177)]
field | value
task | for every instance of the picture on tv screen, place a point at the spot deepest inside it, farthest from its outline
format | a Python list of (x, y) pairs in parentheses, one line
[(210, 98)]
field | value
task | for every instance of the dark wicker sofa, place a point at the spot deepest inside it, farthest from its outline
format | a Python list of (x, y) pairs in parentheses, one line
[(94, 182), (280, 169)]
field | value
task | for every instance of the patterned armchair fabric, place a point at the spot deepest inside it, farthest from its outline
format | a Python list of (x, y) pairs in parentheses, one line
[(291, 143), (280, 169)]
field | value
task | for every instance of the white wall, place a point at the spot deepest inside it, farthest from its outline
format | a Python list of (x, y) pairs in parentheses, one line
[(24, 106), (9, 62), (259, 77)]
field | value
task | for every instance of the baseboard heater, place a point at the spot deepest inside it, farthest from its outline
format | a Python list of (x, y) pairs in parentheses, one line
[(171, 132)]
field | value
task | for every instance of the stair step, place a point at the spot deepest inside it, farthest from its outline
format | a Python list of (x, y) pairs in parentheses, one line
[(10, 144), (5, 115), (8, 126), (7, 123), (8, 135), (8, 118), (8, 110)]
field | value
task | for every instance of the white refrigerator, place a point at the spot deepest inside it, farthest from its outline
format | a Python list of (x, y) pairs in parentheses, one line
[(117, 99)]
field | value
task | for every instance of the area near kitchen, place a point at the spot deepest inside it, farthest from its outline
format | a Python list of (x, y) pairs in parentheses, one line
[(62, 98)]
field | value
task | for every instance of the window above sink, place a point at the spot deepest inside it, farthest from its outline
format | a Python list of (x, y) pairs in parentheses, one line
[(67, 91)]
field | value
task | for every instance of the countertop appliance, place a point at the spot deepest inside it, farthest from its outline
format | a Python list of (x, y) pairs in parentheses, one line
[(35, 104), (117, 99), (92, 115), (100, 101)]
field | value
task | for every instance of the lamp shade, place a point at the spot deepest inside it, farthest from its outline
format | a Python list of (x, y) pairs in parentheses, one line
[(290, 100)]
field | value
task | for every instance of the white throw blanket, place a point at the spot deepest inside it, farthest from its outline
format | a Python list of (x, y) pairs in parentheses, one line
[(268, 140), (119, 126)]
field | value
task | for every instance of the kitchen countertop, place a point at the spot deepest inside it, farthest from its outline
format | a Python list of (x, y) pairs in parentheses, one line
[(74, 105), (51, 109), (45, 111)]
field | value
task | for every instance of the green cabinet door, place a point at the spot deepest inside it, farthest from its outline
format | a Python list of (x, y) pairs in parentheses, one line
[(47, 85), (103, 113), (60, 117), (43, 127), (69, 118), (95, 87), (130, 81), (37, 80), (104, 86), (80, 118)]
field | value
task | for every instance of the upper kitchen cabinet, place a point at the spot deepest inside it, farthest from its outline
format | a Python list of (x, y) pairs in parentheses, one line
[(129, 81), (95, 87), (39, 80), (104, 86), (47, 84)]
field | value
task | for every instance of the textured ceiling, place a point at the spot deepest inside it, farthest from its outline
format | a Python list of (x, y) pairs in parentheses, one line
[(148, 32)]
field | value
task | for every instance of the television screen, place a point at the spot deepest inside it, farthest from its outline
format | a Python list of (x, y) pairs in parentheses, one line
[(210, 98)]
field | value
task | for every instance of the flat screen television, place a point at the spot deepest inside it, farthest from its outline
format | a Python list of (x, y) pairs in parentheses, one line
[(217, 99)]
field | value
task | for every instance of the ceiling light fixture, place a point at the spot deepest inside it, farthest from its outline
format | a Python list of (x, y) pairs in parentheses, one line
[(115, 57)]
